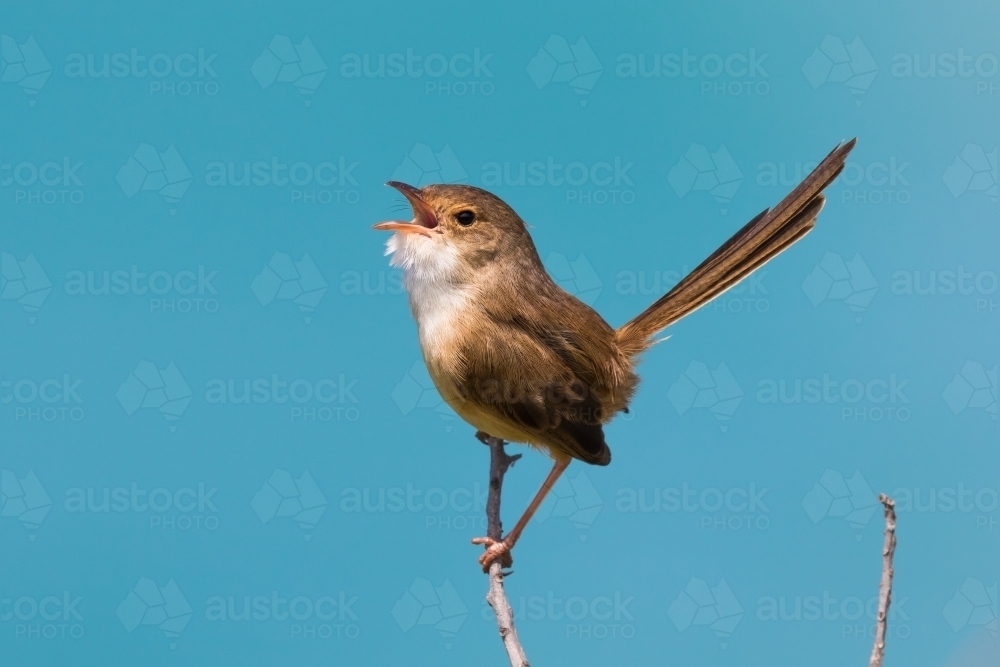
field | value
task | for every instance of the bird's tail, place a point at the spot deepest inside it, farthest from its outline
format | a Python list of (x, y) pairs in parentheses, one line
[(750, 248)]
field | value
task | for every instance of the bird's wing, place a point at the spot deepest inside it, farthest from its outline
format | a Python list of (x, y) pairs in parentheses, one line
[(540, 383)]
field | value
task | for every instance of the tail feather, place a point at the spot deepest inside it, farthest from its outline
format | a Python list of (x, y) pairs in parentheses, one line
[(756, 243), (796, 229)]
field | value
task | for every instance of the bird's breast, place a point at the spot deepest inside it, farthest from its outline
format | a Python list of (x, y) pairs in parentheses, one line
[(441, 310)]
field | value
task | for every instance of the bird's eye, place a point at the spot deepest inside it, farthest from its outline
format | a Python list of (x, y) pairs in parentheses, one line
[(465, 218)]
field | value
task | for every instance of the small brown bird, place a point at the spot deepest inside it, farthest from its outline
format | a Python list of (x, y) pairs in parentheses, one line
[(519, 358)]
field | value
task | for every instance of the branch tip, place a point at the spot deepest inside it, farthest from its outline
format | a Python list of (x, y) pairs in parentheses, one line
[(885, 585)]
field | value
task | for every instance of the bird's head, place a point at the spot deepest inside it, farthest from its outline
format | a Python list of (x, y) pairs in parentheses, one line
[(455, 229)]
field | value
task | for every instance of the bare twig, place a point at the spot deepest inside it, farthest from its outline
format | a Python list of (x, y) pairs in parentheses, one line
[(885, 586), (499, 462)]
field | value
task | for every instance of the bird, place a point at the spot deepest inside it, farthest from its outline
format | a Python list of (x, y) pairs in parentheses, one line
[(521, 359)]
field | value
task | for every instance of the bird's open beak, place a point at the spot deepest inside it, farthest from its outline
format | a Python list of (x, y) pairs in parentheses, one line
[(424, 219)]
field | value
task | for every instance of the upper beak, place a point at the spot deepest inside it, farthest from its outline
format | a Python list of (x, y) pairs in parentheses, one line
[(424, 218)]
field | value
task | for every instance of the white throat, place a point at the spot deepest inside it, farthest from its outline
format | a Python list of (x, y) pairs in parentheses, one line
[(429, 269)]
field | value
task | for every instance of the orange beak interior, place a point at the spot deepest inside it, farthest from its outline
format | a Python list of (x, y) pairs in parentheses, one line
[(424, 219)]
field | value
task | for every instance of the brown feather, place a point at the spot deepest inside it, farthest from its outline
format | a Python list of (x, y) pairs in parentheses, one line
[(518, 357), (750, 248)]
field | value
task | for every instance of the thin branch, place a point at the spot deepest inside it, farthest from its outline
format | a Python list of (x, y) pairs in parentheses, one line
[(499, 462), (885, 586)]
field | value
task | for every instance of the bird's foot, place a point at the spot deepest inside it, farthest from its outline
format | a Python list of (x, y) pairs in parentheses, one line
[(494, 549)]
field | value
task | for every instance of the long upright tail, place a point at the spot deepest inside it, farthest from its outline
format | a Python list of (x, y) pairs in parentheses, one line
[(750, 248)]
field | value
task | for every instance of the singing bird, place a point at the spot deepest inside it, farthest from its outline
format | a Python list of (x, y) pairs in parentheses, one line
[(518, 357)]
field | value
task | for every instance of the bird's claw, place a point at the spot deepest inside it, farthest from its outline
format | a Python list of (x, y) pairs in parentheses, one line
[(494, 549)]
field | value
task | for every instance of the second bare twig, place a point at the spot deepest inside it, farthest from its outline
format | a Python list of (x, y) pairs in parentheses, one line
[(885, 585)]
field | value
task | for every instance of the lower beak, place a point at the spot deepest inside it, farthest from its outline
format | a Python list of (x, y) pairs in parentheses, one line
[(424, 218), (401, 226)]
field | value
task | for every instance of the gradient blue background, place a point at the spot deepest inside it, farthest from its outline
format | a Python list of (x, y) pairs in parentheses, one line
[(381, 440)]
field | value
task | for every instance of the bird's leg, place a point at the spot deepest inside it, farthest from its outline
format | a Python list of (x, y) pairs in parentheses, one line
[(497, 548)]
